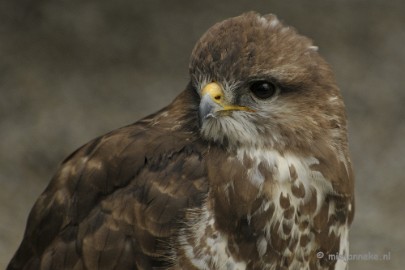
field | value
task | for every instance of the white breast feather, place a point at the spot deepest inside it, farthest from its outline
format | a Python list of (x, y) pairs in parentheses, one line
[(216, 255)]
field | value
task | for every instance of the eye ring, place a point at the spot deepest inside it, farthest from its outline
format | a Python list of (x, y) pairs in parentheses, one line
[(263, 89)]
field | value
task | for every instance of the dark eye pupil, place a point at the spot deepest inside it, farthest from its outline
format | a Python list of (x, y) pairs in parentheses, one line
[(263, 89)]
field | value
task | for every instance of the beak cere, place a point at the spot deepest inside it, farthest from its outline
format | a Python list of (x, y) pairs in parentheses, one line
[(213, 101), (212, 97), (213, 90)]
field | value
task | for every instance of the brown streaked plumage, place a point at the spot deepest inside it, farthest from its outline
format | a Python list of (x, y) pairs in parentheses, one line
[(248, 168)]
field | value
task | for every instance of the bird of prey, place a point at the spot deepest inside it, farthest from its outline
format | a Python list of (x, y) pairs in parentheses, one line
[(248, 168)]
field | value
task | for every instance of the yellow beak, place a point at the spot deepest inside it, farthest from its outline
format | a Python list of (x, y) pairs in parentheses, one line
[(214, 90)]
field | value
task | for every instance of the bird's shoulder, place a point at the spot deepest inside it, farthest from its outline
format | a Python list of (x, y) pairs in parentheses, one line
[(118, 199)]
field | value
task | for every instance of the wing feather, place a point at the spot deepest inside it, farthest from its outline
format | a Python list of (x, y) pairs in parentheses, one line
[(114, 202)]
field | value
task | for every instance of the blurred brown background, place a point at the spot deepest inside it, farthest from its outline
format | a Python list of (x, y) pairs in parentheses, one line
[(71, 70)]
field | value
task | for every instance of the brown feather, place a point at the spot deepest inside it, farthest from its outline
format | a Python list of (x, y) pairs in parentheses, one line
[(115, 201)]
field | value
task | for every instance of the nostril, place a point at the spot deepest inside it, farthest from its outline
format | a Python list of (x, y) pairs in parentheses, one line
[(217, 97)]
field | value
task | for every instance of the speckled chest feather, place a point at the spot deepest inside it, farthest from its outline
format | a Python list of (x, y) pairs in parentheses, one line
[(267, 210)]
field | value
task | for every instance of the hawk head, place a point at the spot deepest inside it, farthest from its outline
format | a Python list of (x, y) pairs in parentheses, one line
[(263, 85)]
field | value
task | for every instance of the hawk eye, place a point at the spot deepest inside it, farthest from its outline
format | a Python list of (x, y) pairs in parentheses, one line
[(263, 89)]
